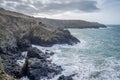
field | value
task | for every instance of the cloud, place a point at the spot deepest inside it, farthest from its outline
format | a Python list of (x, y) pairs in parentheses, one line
[(49, 6), (85, 6)]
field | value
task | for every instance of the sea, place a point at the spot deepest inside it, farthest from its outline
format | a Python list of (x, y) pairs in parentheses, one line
[(96, 57)]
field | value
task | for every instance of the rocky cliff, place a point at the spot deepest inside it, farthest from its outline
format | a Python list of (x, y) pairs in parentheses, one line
[(17, 33), (27, 27)]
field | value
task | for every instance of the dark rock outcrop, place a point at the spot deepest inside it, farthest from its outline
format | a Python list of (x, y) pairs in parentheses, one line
[(39, 69), (57, 37)]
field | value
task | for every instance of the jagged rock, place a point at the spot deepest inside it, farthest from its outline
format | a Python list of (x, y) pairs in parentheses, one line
[(38, 69)]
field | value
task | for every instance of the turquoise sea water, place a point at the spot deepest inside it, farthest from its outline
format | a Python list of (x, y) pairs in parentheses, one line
[(97, 57)]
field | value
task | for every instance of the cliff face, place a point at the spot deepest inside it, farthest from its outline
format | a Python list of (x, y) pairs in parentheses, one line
[(27, 27), (71, 23)]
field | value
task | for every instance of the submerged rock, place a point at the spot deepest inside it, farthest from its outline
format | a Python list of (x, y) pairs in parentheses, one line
[(63, 77)]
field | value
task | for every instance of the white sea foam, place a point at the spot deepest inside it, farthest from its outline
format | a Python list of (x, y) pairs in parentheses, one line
[(81, 45), (40, 48), (21, 62), (53, 49), (24, 54), (24, 78), (86, 69)]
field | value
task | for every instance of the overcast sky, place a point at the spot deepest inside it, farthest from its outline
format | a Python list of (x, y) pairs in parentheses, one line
[(103, 11)]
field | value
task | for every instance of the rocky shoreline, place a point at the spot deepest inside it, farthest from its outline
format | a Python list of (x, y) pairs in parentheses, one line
[(18, 58)]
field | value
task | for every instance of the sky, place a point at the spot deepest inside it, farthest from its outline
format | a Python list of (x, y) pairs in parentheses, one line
[(102, 11)]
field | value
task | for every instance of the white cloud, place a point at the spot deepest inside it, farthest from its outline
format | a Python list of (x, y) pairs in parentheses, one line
[(104, 11)]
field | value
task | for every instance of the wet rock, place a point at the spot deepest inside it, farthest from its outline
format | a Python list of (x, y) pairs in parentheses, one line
[(49, 53), (38, 69), (63, 77)]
